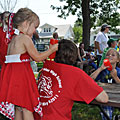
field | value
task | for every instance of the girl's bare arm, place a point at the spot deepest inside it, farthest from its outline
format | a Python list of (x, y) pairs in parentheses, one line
[(29, 46)]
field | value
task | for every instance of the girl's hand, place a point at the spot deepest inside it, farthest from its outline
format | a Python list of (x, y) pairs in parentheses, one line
[(103, 67), (114, 73), (54, 47)]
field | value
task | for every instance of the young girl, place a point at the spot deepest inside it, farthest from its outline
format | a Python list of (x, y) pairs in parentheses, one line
[(105, 76), (17, 83)]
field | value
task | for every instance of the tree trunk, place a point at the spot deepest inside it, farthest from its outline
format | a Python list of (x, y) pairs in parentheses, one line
[(86, 23)]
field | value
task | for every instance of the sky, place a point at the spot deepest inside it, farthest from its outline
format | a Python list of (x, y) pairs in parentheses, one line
[(45, 13)]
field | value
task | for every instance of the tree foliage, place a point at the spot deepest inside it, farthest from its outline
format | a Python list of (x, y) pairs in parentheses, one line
[(71, 7), (105, 11), (99, 11), (77, 29)]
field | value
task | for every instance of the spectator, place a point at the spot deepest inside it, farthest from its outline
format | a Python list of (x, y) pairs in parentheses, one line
[(118, 46), (53, 41), (4, 17), (101, 41), (61, 84), (81, 61), (55, 35), (82, 51), (105, 76), (112, 42), (91, 58)]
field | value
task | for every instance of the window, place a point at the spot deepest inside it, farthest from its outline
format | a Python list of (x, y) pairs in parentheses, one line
[(44, 29), (47, 30)]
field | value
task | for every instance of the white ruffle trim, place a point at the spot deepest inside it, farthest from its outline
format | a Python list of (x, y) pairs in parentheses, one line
[(15, 58)]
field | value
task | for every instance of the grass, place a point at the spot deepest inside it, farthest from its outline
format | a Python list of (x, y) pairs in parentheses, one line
[(82, 111)]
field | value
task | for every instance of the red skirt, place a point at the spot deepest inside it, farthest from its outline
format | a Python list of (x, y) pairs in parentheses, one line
[(18, 86)]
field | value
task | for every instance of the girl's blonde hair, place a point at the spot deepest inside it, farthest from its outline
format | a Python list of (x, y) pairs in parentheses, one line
[(118, 55), (24, 14)]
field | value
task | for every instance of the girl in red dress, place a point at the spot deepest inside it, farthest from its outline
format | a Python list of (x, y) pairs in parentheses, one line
[(17, 83)]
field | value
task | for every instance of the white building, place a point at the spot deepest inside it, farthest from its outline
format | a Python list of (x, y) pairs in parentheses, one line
[(46, 32)]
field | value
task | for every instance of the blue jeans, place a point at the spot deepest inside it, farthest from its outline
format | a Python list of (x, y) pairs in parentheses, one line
[(109, 112)]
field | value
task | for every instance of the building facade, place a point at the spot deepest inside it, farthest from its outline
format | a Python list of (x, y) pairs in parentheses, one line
[(46, 32)]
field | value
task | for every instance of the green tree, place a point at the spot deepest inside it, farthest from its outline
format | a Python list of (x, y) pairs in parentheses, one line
[(91, 13), (77, 29), (105, 11), (74, 7), (109, 13)]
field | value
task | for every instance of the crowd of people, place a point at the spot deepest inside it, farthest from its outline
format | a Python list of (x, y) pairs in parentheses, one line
[(61, 82), (105, 48)]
